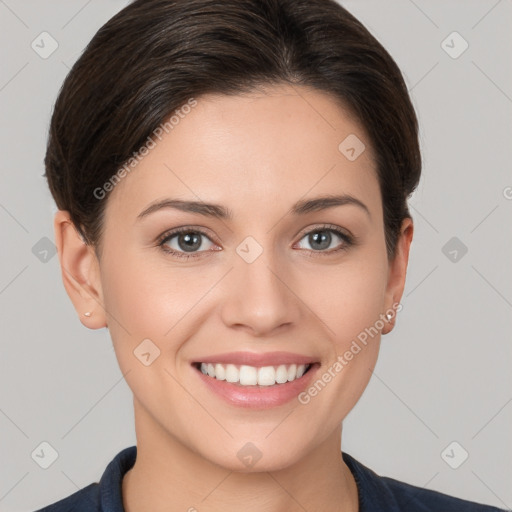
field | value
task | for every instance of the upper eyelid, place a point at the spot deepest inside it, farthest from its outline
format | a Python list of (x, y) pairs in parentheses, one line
[(171, 233), (325, 227)]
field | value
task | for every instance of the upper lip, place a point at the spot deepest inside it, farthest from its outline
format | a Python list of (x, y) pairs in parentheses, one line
[(255, 359)]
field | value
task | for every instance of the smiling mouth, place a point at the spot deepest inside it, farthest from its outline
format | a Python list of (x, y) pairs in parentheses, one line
[(245, 375)]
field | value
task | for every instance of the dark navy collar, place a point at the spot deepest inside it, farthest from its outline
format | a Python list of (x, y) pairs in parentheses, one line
[(367, 481), (376, 493), (369, 486), (111, 496)]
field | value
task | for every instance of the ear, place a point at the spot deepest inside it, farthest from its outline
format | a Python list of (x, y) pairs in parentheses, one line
[(80, 272), (398, 270)]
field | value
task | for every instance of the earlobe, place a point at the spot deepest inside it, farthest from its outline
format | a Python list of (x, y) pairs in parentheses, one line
[(80, 272), (398, 270)]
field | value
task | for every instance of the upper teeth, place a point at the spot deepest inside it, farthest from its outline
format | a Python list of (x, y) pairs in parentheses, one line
[(252, 376)]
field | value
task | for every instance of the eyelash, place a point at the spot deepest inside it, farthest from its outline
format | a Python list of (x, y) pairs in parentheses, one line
[(168, 235)]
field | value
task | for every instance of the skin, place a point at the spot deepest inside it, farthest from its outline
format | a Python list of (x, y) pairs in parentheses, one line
[(257, 155)]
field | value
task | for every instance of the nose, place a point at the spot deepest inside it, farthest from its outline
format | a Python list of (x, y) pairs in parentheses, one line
[(259, 296)]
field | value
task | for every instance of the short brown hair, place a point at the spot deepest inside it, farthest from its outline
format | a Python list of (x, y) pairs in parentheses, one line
[(154, 55)]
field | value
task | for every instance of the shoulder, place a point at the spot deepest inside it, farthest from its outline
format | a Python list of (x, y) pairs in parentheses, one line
[(384, 494), (102, 496), (84, 500), (418, 499)]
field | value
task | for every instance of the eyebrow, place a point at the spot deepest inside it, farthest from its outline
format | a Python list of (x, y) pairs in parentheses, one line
[(221, 212)]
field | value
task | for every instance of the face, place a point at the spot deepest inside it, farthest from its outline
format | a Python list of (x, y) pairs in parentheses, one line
[(275, 273)]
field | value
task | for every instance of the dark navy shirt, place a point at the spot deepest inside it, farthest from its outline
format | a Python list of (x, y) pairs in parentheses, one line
[(376, 493)]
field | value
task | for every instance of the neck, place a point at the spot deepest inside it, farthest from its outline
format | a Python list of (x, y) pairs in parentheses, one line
[(168, 476)]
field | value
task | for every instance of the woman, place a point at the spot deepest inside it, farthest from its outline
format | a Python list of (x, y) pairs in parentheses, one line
[(232, 181)]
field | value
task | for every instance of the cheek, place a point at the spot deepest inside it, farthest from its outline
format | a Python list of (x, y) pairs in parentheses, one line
[(349, 308), (349, 297), (147, 303), (148, 297)]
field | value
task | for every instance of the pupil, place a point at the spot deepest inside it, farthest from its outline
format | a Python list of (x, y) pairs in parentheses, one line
[(191, 242), (320, 239)]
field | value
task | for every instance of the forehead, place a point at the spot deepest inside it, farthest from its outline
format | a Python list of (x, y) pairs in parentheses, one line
[(263, 148)]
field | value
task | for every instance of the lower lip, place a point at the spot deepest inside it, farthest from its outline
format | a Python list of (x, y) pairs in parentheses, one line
[(258, 397)]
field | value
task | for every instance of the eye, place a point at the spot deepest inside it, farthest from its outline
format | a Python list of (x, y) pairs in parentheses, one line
[(321, 238), (187, 244)]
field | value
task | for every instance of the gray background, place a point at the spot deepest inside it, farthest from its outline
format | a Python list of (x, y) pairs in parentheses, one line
[(443, 373)]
